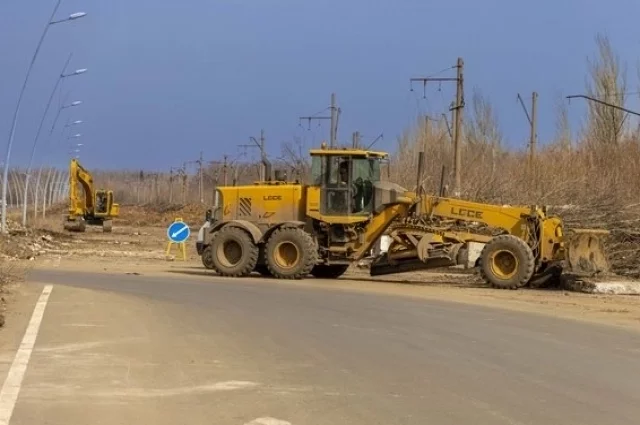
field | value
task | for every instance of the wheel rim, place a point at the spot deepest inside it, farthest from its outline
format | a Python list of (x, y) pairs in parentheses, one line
[(229, 253), (504, 264), (286, 255)]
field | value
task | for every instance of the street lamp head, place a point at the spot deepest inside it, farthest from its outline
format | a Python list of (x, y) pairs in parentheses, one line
[(77, 122), (80, 71), (76, 15), (76, 103)]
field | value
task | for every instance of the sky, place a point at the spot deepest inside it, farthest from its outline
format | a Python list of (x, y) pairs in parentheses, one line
[(168, 80)]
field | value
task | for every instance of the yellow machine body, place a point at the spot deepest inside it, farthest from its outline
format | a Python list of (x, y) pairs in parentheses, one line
[(88, 205), (341, 214)]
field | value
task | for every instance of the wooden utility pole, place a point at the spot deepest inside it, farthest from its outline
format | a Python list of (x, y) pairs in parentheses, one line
[(457, 118), (335, 112), (533, 131)]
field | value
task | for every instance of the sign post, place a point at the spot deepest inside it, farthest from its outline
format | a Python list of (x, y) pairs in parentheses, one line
[(178, 232)]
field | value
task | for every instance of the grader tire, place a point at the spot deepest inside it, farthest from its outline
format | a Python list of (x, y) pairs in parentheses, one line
[(261, 266), (507, 262), (291, 253), (329, 271), (207, 258), (233, 252), (107, 225), (263, 270)]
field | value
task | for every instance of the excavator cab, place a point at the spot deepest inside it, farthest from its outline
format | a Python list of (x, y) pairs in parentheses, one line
[(103, 203)]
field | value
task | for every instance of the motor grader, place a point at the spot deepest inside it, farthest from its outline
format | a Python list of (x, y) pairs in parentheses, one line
[(96, 207), (289, 230)]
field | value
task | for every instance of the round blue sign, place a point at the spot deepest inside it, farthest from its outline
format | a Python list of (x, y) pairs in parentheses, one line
[(178, 232)]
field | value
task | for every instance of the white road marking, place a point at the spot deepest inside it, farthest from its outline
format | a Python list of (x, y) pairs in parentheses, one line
[(268, 421), (11, 387)]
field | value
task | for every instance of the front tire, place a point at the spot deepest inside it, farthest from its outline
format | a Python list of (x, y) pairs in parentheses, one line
[(233, 252), (207, 258), (291, 253), (507, 262)]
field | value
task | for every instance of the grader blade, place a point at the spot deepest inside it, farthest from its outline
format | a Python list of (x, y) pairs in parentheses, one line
[(585, 252)]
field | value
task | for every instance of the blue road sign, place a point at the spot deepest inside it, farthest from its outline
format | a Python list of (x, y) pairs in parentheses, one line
[(178, 232)]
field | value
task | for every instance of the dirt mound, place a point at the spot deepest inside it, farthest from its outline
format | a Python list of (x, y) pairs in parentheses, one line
[(623, 244), (160, 214)]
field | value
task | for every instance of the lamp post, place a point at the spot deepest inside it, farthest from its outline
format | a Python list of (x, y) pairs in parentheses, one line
[(55, 121), (35, 141), (5, 173)]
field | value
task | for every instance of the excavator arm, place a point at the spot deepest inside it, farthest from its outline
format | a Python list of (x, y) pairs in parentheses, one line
[(78, 176), (90, 206)]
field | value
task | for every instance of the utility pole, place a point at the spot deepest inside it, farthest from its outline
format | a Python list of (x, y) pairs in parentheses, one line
[(533, 123), (263, 168), (457, 109), (335, 114), (171, 182), (334, 121), (201, 186), (183, 172), (356, 140), (224, 170), (263, 154)]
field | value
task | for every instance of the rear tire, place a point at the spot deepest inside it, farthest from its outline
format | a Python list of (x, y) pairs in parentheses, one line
[(107, 225), (263, 270), (233, 252), (329, 271), (261, 266), (507, 262), (291, 253)]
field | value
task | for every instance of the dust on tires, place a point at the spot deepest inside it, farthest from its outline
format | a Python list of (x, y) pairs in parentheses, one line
[(291, 253), (507, 262), (233, 252)]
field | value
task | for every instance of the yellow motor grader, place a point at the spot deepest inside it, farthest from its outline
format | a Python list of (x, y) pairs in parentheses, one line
[(290, 230)]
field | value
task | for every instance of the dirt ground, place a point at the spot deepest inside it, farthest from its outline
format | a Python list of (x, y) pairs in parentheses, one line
[(137, 248)]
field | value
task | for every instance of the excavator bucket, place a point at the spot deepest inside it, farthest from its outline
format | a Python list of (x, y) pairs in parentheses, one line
[(585, 253)]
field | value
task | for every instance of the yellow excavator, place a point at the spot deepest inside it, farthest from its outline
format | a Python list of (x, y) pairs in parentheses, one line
[(92, 206), (290, 230)]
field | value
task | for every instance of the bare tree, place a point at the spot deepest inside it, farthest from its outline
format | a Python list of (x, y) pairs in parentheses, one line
[(607, 82), (563, 128)]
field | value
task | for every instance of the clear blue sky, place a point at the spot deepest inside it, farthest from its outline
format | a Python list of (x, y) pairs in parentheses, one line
[(169, 79)]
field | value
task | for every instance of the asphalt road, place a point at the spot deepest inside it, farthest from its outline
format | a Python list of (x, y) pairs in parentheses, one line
[(168, 350)]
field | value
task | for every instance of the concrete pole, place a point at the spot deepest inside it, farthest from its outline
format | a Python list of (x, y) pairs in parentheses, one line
[(457, 146)]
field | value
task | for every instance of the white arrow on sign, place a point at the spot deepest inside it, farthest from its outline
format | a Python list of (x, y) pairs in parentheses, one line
[(174, 234)]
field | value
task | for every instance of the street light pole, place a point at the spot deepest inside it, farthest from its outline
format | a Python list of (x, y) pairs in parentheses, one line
[(35, 141), (5, 173), (35, 200)]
